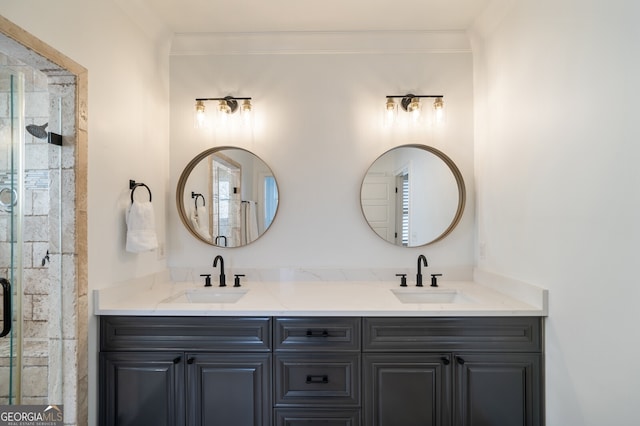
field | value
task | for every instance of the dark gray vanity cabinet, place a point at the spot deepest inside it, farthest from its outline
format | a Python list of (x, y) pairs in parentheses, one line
[(320, 371), (317, 371), (191, 371), (452, 371)]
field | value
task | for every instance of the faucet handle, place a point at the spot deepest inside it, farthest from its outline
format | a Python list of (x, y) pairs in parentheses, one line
[(236, 280), (434, 279), (403, 279), (207, 279)]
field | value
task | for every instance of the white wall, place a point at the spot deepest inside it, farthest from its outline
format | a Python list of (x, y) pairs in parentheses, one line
[(319, 128), (557, 182)]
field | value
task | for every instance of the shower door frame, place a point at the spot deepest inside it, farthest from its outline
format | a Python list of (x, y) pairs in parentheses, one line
[(15, 171)]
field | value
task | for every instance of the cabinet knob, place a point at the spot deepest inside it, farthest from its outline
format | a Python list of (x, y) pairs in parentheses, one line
[(191, 361), (445, 360), (460, 360), (177, 360)]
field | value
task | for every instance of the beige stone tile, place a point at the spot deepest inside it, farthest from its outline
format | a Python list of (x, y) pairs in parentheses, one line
[(36, 348), (36, 228), (40, 306), (40, 202), (35, 281), (35, 329), (34, 381)]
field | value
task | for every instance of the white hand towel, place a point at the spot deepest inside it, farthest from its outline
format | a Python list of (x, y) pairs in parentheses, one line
[(203, 221), (141, 232), (200, 221), (249, 222), (193, 217)]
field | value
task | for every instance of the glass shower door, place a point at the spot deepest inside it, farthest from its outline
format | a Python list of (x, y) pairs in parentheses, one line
[(11, 146)]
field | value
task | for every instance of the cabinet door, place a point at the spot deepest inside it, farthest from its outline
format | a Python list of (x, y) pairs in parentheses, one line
[(407, 389), (141, 389), (229, 389), (498, 389)]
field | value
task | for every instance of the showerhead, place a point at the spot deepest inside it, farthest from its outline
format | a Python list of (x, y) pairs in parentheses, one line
[(38, 131)]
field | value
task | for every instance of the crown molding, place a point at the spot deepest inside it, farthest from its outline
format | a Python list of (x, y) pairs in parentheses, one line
[(292, 43)]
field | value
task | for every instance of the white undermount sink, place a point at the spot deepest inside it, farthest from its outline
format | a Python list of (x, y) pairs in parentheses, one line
[(207, 295), (430, 295)]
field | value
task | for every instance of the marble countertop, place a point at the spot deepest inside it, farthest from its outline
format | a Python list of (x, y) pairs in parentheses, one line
[(485, 295)]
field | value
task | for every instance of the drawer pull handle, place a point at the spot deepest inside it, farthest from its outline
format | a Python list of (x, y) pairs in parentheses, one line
[(460, 360), (445, 360), (177, 360), (315, 333), (318, 379), (191, 361)]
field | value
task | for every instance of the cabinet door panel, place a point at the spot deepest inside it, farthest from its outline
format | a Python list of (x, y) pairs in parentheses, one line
[(498, 389), (407, 390), (141, 388), (229, 389)]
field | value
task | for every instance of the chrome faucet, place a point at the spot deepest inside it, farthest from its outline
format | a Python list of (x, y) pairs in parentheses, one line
[(222, 277), (419, 276)]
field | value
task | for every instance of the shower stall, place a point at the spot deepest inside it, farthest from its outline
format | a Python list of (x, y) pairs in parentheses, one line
[(32, 240)]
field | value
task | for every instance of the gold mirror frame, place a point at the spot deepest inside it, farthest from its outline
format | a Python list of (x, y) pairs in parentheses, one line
[(459, 183), (182, 182)]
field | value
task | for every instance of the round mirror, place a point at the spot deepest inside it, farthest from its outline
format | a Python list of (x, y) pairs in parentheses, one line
[(412, 195), (227, 197)]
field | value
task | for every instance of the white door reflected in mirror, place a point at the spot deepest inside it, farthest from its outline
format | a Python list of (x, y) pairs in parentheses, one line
[(412, 195)]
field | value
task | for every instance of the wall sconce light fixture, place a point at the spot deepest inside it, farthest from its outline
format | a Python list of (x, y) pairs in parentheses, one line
[(226, 107), (411, 104)]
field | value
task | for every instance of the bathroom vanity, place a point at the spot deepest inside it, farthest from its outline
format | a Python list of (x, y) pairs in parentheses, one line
[(343, 362), (338, 371)]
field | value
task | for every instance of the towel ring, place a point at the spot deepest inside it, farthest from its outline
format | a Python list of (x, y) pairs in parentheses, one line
[(196, 196), (133, 185)]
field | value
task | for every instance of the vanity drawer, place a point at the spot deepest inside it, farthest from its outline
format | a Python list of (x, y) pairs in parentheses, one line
[(317, 334), (481, 334), (317, 417), (211, 334), (317, 380)]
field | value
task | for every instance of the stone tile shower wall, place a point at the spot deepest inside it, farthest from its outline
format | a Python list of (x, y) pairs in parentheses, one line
[(48, 281)]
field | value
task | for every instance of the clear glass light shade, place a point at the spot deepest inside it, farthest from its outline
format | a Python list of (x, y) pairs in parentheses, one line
[(246, 111), (438, 108), (390, 112), (223, 107), (414, 108), (200, 115)]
